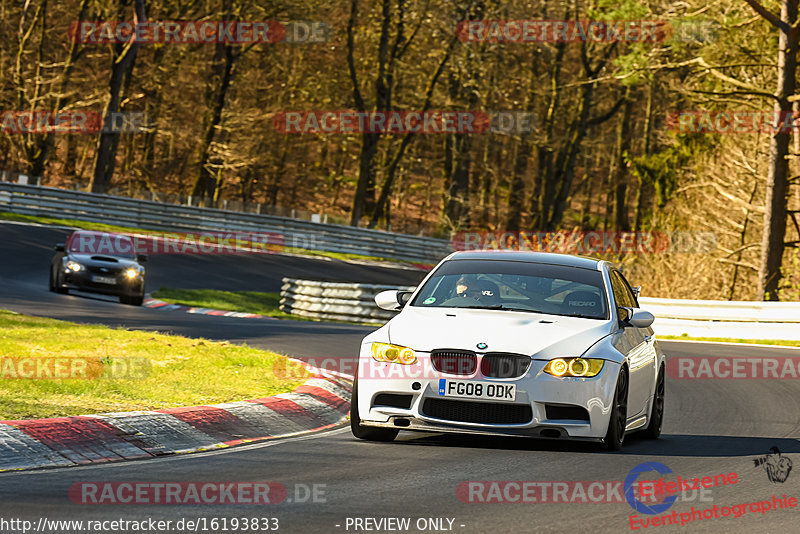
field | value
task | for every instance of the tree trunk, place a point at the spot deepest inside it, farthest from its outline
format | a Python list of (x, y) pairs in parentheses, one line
[(621, 220), (205, 185), (772, 244), (364, 197), (565, 163), (456, 210), (122, 67), (484, 186), (516, 184), (543, 188), (646, 191), (366, 177)]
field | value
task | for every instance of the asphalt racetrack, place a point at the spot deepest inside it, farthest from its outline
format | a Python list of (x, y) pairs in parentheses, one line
[(711, 427)]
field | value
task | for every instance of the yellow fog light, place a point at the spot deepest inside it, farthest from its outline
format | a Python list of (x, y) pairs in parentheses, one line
[(578, 367), (575, 367), (131, 273), (557, 367), (385, 352), (407, 357)]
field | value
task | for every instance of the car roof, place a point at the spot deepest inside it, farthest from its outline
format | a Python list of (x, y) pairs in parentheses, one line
[(549, 258), (96, 236), (97, 233)]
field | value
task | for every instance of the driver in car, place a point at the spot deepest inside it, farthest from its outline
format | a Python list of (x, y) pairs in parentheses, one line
[(467, 286)]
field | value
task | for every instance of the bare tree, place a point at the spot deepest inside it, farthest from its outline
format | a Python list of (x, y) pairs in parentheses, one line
[(123, 59), (772, 244)]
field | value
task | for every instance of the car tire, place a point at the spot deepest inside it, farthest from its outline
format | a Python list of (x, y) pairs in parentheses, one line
[(58, 285), (619, 414), (366, 433), (653, 430), (133, 300), (50, 284)]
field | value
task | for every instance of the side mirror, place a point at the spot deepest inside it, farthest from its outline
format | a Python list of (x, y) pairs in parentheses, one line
[(392, 299), (635, 317), (59, 247), (141, 258), (641, 318)]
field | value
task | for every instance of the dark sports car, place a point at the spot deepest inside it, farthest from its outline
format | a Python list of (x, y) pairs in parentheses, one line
[(99, 262)]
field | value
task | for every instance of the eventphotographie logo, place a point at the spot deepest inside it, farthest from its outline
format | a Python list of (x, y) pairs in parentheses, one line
[(777, 466)]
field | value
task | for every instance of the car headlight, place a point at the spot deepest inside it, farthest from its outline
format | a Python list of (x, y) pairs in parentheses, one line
[(131, 273), (74, 266), (574, 367), (385, 352)]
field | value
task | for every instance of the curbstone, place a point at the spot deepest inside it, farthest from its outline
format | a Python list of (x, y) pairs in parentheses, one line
[(322, 402)]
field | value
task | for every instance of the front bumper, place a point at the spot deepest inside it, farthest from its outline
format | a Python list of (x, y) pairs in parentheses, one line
[(82, 281), (537, 393)]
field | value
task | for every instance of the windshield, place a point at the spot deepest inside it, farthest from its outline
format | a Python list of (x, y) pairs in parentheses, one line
[(517, 286), (117, 245)]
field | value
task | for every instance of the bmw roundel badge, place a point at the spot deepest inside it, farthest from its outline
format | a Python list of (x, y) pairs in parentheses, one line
[(482, 345)]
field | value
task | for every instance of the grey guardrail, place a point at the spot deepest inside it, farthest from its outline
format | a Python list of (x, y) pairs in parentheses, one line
[(160, 216), (335, 300), (696, 318), (725, 319), (724, 310)]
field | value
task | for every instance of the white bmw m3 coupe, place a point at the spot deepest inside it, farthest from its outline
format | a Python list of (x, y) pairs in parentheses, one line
[(514, 344)]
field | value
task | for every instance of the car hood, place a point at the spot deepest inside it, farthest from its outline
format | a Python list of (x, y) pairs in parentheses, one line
[(97, 260), (539, 335)]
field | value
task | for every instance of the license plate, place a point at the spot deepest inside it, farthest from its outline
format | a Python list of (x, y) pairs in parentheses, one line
[(104, 279), (477, 390)]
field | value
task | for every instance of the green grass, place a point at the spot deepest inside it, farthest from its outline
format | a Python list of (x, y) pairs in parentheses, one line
[(172, 371), (84, 225), (780, 342), (102, 227), (241, 301)]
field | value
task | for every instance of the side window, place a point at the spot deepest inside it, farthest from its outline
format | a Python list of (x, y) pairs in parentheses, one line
[(623, 296), (629, 290)]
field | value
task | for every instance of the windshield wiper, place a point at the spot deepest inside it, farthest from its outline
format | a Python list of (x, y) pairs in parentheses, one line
[(579, 315), (500, 307)]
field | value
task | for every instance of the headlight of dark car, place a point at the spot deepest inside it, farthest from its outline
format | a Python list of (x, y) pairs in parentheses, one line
[(132, 273), (73, 266)]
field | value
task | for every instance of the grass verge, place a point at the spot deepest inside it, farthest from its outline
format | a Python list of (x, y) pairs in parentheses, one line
[(241, 301), (103, 227), (777, 342), (126, 370)]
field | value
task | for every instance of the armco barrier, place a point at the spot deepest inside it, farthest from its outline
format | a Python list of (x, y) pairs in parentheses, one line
[(335, 300), (147, 214), (724, 310), (725, 319), (697, 318)]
